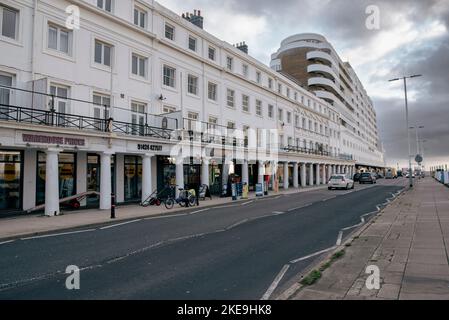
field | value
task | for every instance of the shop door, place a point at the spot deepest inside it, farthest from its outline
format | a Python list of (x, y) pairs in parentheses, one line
[(93, 178)]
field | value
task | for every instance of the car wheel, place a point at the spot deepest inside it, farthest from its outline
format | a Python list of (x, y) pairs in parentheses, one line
[(353, 186), (347, 187), (329, 188)]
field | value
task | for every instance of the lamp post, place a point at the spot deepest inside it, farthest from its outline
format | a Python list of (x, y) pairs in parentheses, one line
[(407, 124)]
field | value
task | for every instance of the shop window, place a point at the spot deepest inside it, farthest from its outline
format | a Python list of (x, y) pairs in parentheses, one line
[(67, 176), (10, 180), (133, 178)]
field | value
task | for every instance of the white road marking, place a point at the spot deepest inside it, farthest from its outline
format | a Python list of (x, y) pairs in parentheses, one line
[(198, 211), (277, 213), (5, 242), (340, 236), (167, 216), (120, 224), (226, 206), (301, 207), (275, 283), (246, 203), (312, 255), (232, 226), (57, 234)]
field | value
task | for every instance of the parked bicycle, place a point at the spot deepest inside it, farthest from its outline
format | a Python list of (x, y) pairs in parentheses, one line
[(186, 198)]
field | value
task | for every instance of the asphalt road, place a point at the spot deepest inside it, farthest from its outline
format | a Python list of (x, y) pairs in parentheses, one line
[(226, 252)]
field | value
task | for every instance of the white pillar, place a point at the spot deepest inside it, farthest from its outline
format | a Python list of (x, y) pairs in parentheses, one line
[(295, 175), (324, 175), (285, 175), (318, 182), (205, 172), (329, 172), (179, 173), (245, 175), (52, 183), (261, 172), (303, 174), (147, 185), (105, 181), (274, 169), (311, 174)]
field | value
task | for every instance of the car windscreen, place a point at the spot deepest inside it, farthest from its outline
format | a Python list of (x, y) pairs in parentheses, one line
[(336, 178), (365, 175)]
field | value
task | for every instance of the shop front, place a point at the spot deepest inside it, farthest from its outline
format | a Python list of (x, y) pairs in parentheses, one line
[(67, 176), (11, 180), (133, 178)]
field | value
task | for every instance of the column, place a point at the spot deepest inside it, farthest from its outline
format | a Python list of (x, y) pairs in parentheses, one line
[(295, 175), (147, 186), (205, 172), (311, 174), (318, 182), (245, 174), (261, 172), (324, 175), (179, 173), (274, 169), (329, 172), (105, 181), (52, 182), (285, 175), (303, 174)]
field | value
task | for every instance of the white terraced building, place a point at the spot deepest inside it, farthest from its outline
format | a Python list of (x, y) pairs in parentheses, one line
[(118, 104)]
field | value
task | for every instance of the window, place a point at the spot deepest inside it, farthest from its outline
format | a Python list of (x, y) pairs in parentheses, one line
[(140, 18), (245, 70), (212, 53), (230, 98), (229, 63), (212, 91), (169, 32), (288, 92), (105, 5), (139, 66), (245, 103), (270, 111), (59, 39), (303, 123), (296, 121), (279, 88), (231, 125), (192, 43), (102, 103), (192, 119), (296, 96), (192, 84), (9, 22), (289, 117), (259, 108), (213, 121), (103, 53), (5, 80), (280, 115), (138, 118), (168, 109), (258, 77), (270, 83), (169, 76)]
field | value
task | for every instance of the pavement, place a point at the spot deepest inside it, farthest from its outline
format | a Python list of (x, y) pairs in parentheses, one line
[(409, 243), (36, 224), (236, 250)]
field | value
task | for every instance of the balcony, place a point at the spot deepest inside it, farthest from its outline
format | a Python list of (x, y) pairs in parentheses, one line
[(323, 69), (323, 82), (321, 56), (70, 121)]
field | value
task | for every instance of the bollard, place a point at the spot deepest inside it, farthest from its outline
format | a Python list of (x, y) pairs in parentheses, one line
[(112, 206)]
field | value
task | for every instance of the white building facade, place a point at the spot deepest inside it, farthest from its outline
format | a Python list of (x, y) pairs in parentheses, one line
[(137, 99)]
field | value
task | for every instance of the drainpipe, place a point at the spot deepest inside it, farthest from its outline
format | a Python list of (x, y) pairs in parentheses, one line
[(33, 51)]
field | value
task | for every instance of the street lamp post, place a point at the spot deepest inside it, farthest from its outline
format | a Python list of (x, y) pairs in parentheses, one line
[(407, 123)]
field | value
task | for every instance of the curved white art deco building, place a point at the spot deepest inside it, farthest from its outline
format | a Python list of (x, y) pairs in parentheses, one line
[(311, 60)]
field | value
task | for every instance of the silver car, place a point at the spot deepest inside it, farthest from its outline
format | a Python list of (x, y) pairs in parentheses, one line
[(340, 181)]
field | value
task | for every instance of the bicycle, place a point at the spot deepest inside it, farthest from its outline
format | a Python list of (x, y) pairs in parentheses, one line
[(185, 197)]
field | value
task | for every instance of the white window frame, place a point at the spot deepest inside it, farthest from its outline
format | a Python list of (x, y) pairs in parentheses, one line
[(246, 103), (59, 31), (164, 77), (138, 113), (145, 65), (168, 109), (245, 70), (270, 111), (209, 50), (194, 85), (103, 6), (230, 98), (111, 56), (259, 108), (16, 27), (212, 91), (229, 63), (140, 12), (168, 25), (190, 37)]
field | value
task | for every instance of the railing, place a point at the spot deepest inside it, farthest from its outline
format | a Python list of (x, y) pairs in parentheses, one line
[(62, 120), (305, 151)]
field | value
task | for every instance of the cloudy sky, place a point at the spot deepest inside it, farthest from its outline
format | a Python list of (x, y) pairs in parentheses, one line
[(413, 39)]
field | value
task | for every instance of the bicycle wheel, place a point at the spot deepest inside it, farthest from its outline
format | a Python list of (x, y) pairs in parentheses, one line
[(192, 201), (169, 203)]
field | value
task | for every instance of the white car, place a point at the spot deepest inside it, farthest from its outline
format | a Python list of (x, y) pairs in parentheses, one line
[(340, 181)]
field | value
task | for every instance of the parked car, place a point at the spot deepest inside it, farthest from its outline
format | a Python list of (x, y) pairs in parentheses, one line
[(379, 175), (400, 173), (340, 181), (367, 177), (408, 175), (356, 177)]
